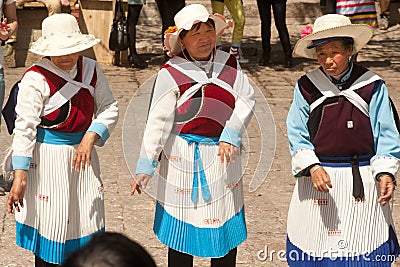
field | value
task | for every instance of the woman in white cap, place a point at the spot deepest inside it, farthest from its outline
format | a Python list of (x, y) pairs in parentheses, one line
[(345, 149), (64, 107), (201, 106)]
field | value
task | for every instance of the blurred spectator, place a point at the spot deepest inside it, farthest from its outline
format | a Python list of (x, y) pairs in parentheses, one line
[(168, 9), (384, 14), (328, 6), (235, 8), (134, 8), (362, 13), (110, 249), (279, 9), (9, 26), (53, 7)]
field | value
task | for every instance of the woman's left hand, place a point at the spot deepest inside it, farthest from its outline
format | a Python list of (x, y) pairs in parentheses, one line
[(82, 155), (228, 151), (387, 188)]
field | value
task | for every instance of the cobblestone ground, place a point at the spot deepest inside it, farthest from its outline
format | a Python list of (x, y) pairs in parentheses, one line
[(266, 207)]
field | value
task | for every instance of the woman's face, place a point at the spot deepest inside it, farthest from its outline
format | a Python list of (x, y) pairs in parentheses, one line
[(200, 43), (66, 62), (333, 57)]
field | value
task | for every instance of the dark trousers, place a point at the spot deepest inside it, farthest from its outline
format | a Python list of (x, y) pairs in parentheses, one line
[(385, 7), (168, 9), (133, 17), (179, 259), (330, 6), (41, 263), (279, 9)]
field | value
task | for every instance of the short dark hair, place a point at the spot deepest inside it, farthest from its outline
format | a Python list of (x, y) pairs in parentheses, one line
[(196, 26), (109, 249)]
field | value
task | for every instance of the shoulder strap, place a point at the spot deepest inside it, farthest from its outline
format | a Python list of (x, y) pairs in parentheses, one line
[(201, 79), (71, 88), (328, 89)]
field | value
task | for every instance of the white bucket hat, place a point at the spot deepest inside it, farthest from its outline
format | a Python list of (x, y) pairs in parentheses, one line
[(185, 19), (61, 36), (331, 26)]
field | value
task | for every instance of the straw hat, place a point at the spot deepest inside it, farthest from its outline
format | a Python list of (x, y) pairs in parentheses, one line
[(331, 26), (185, 19), (61, 36)]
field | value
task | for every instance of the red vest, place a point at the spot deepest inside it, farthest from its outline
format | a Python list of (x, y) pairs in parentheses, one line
[(207, 111), (77, 113)]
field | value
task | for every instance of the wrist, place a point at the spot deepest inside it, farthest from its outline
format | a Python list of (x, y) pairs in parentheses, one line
[(314, 168), (379, 176)]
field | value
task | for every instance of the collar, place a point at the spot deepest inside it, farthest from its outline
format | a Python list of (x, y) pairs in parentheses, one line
[(344, 77)]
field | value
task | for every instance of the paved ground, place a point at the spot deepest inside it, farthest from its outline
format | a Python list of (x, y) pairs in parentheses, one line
[(266, 207)]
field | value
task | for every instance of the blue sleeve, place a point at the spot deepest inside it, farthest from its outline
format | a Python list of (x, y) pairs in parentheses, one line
[(231, 136), (101, 130), (386, 135), (146, 166), (296, 123), (21, 163)]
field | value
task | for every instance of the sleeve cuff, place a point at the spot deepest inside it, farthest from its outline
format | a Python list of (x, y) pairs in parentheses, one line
[(384, 164), (21, 163), (101, 130), (231, 136), (146, 166), (302, 159)]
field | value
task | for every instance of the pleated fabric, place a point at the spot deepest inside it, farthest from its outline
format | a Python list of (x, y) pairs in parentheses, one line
[(359, 12), (205, 228), (332, 228), (62, 207)]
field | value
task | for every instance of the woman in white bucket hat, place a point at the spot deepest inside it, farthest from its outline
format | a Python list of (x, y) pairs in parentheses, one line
[(201, 105), (345, 149), (64, 107)]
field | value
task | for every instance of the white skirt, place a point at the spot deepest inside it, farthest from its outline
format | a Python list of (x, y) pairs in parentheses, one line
[(205, 228), (331, 225), (62, 207)]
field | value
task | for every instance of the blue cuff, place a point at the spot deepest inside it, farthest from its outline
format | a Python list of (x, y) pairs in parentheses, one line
[(231, 136), (101, 130), (21, 162), (146, 166)]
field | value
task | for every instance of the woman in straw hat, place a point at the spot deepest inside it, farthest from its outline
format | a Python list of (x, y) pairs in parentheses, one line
[(57, 190), (345, 152), (201, 105)]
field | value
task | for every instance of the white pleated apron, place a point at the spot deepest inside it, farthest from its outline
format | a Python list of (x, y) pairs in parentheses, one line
[(206, 229), (320, 222), (62, 207)]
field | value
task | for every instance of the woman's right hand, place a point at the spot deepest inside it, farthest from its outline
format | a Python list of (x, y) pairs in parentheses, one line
[(17, 192), (139, 183), (320, 178)]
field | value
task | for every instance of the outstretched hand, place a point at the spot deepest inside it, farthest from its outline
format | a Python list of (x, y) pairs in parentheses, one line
[(386, 189), (16, 196), (228, 152), (82, 155), (320, 179), (139, 183)]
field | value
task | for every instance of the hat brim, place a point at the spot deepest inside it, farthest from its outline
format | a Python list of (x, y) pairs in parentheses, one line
[(46, 47), (361, 34), (172, 42)]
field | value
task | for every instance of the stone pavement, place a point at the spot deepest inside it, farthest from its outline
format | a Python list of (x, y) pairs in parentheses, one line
[(266, 207)]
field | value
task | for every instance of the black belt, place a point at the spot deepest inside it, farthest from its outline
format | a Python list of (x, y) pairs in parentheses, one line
[(358, 187)]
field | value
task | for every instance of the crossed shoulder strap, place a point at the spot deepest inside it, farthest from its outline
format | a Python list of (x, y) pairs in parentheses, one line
[(199, 76), (328, 89), (71, 88)]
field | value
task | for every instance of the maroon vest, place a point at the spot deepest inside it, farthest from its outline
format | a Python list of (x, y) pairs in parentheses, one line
[(337, 128), (77, 113), (207, 111)]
